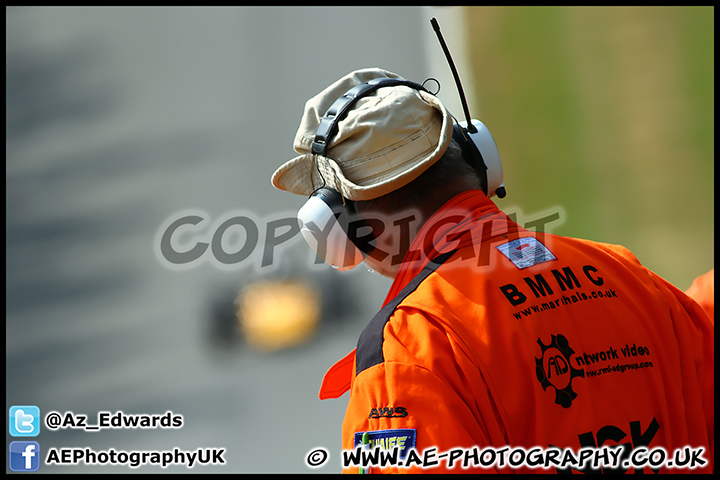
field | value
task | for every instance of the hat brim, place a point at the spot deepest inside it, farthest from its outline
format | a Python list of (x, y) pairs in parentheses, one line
[(307, 172)]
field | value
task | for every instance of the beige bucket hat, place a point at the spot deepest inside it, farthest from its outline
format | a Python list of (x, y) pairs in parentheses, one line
[(385, 141)]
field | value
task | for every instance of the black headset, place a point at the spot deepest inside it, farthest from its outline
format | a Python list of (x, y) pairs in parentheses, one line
[(329, 122), (327, 207)]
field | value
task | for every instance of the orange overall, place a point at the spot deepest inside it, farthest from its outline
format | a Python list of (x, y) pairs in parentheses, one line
[(702, 291), (523, 339)]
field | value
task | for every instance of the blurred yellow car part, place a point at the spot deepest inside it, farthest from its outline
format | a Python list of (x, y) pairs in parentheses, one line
[(275, 315)]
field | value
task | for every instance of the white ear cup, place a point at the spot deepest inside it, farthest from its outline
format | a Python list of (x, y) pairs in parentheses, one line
[(485, 142), (325, 235)]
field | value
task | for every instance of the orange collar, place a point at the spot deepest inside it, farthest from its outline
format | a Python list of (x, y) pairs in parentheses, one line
[(441, 233), (338, 378)]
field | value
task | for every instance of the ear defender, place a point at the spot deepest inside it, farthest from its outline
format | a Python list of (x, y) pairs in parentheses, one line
[(481, 152), (325, 219)]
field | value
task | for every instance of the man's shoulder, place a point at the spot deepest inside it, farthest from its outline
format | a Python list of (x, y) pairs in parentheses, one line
[(370, 344)]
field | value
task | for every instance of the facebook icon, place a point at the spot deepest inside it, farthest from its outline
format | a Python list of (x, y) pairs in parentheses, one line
[(24, 456)]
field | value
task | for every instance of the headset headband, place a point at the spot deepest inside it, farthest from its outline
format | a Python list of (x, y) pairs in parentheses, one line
[(471, 154), (329, 122)]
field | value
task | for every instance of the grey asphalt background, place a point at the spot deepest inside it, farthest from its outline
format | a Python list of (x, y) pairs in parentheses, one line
[(121, 119)]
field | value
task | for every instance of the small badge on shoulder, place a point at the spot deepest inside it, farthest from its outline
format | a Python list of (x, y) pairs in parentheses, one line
[(526, 252), (401, 438)]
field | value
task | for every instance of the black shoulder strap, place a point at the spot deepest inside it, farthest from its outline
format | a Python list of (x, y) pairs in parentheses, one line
[(369, 348), (329, 122)]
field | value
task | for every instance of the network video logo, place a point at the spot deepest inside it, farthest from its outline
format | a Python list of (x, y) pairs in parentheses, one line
[(24, 456), (24, 421)]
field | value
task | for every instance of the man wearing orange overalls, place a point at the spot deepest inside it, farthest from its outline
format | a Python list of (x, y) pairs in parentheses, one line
[(499, 348)]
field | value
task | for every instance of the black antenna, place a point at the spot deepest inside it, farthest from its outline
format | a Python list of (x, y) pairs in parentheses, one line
[(470, 127)]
